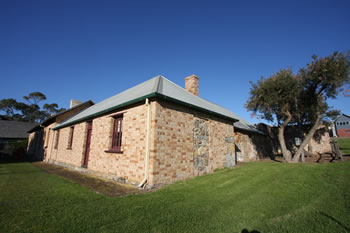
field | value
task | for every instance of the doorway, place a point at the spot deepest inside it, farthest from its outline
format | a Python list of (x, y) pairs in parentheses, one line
[(88, 142)]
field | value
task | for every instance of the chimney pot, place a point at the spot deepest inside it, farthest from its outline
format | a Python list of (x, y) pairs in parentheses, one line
[(74, 103), (192, 84)]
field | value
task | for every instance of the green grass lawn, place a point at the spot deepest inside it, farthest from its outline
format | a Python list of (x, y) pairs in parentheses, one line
[(265, 197), (344, 145)]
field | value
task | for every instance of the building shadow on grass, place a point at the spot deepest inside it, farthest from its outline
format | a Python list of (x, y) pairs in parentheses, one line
[(252, 231), (335, 220), (11, 160)]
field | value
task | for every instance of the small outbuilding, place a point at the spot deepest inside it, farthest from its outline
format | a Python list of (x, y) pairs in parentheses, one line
[(12, 132), (341, 126)]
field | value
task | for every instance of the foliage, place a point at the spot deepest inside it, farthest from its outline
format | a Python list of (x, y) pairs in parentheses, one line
[(323, 79), (15, 146), (265, 197), (30, 111), (34, 97), (301, 98), (272, 98), (9, 106)]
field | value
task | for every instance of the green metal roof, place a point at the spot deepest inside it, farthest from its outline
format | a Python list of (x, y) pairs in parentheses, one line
[(159, 87)]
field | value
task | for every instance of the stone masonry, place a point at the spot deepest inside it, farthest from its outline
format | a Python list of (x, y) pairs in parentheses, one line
[(184, 143), (187, 143), (201, 144)]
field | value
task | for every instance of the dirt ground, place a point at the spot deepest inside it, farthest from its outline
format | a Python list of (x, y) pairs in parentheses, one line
[(324, 158), (96, 184)]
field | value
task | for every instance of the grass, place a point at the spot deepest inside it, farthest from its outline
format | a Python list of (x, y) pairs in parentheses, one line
[(260, 197), (344, 145)]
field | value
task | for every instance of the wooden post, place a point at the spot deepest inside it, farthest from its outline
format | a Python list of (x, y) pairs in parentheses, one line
[(335, 149)]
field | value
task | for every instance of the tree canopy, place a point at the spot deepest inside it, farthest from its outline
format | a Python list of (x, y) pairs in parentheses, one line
[(30, 111), (301, 98)]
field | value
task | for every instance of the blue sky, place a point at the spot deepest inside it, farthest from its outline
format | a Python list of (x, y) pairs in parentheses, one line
[(95, 49)]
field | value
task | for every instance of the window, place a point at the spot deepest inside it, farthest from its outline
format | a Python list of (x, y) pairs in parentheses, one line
[(117, 133), (57, 138), (70, 139), (48, 137)]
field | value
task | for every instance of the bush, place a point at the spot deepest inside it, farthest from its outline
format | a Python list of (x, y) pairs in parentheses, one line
[(17, 148)]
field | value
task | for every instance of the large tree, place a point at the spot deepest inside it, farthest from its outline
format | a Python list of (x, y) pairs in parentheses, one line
[(322, 79), (300, 98), (9, 106), (30, 111), (274, 99)]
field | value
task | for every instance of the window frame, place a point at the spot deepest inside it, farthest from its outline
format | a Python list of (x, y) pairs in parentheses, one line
[(70, 138), (57, 139), (47, 138), (117, 140)]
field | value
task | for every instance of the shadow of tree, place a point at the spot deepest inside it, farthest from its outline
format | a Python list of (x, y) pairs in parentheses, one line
[(335, 220)]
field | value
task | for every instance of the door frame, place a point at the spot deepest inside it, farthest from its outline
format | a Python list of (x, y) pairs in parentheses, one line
[(87, 144)]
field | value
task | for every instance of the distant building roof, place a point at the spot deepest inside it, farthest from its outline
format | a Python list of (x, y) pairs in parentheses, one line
[(160, 87), (52, 119), (341, 116), (245, 125), (15, 129)]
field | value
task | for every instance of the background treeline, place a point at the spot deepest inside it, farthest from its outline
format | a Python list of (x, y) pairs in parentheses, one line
[(29, 110)]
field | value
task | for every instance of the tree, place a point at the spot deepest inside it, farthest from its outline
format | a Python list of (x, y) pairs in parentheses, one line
[(274, 99), (323, 79), (9, 106), (29, 111), (301, 98), (34, 97)]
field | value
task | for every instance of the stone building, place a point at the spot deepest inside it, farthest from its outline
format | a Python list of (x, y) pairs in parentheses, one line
[(38, 141), (154, 133)]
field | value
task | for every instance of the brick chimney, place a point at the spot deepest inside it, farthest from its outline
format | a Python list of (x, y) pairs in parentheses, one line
[(192, 84)]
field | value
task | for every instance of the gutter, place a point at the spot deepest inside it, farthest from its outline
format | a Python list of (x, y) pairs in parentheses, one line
[(105, 111), (151, 95), (148, 135)]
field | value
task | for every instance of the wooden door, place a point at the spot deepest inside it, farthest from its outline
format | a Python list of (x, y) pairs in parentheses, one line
[(88, 142)]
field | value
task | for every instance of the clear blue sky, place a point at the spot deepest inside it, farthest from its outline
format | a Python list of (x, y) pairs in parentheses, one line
[(95, 49)]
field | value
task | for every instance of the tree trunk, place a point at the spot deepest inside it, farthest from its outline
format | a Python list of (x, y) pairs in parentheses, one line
[(307, 138), (286, 153)]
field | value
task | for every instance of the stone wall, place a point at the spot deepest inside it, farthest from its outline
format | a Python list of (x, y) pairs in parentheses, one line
[(245, 149), (183, 143), (253, 147), (320, 143), (188, 143), (38, 141), (35, 147), (201, 144), (128, 165)]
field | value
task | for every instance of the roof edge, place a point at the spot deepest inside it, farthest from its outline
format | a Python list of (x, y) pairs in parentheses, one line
[(251, 131), (44, 123), (105, 111), (195, 107), (154, 94)]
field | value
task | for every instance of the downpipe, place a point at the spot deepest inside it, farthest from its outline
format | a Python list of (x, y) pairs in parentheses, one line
[(143, 183)]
